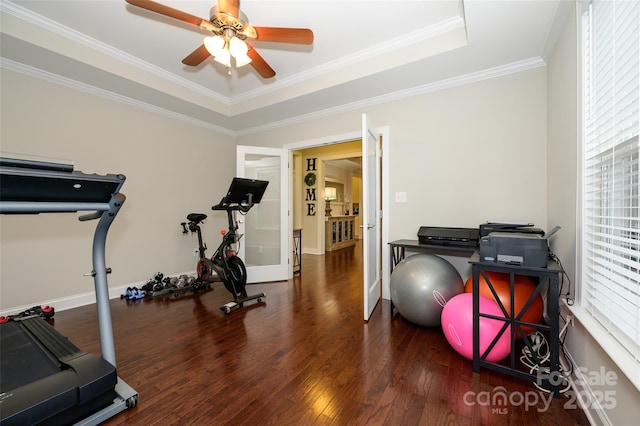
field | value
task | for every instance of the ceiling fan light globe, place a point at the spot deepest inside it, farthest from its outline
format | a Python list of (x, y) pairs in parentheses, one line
[(223, 57), (242, 60), (214, 45), (238, 47)]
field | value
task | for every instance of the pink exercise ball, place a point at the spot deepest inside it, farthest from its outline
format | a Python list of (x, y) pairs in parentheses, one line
[(457, 325)]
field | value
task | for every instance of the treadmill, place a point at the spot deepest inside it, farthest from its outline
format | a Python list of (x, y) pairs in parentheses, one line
[(45, 379)]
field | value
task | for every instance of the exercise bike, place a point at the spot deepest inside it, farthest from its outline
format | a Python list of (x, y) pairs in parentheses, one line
[(225, 265)]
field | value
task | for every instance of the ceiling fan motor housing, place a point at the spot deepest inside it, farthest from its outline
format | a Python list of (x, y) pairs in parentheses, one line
[(223, 20)]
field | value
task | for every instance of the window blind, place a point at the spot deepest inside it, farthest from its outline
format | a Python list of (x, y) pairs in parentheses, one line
[(611, 215)]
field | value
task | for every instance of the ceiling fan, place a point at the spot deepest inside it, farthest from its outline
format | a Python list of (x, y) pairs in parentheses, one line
[(230, 35)]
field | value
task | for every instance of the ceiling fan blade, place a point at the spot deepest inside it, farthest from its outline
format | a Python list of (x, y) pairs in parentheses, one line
[(260, 64), (284, 35), (197, 56), (171, 12), (231, 7)]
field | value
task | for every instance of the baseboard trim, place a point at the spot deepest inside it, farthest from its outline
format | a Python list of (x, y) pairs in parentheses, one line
[(316, 252), (82, 299), (585, 398)]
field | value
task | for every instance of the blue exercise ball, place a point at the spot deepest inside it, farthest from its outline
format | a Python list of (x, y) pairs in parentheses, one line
[(420, 287)]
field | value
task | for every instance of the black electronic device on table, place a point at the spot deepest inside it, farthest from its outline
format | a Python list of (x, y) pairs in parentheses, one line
[(458, 237), (44, 377)]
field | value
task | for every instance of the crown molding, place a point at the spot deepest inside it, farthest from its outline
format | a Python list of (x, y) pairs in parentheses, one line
[(105, 94), (487, 74), (449, 83), (560, 17), (336, 65), (47, 24)]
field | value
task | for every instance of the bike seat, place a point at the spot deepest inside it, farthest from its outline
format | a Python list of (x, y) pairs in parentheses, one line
[(196, 217)]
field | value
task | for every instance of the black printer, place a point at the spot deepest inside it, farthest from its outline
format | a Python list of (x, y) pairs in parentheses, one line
[(516, 248), (520, 227)]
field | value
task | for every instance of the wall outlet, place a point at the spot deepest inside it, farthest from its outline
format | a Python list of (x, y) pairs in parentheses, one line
[(196, 252)]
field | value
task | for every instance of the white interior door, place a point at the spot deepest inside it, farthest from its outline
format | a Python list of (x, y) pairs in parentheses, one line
[(265, 245), (371, 215)]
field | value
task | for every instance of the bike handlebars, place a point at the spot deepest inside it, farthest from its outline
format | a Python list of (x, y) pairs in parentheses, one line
[(233, 206)]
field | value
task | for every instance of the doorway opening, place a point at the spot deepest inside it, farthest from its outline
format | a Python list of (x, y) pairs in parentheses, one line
[(336, 190), (298, 171)]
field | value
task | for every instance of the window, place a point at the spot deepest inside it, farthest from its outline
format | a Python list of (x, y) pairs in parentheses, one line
[(610, 258)]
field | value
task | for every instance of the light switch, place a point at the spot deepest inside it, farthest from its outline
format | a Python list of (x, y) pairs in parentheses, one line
[(401, 197)]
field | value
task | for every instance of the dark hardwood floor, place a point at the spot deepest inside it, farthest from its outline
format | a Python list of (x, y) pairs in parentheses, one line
[(302, 357)]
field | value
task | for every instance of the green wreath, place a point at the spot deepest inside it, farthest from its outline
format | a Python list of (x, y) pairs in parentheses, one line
[(310, 179)]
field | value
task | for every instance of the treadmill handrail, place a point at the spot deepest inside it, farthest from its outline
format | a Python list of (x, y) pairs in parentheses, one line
[(17, 207)]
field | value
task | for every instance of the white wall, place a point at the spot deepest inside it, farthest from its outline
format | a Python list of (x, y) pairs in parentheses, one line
[(562, 190), (463, 155), (172, 169)]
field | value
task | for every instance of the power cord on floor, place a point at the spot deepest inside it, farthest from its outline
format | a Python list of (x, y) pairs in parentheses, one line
[(538, 360)]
